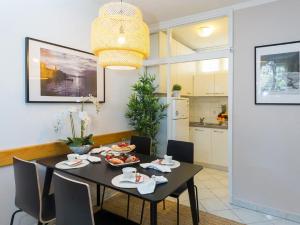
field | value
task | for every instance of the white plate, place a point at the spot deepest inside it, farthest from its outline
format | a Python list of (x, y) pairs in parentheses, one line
[(174, 164), (116, 181), (63, 166)]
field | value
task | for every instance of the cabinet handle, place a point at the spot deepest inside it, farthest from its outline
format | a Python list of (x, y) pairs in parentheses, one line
[(218, 131), (199, 130)]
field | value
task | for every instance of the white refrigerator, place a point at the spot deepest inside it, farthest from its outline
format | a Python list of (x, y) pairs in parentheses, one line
[(180, 119)]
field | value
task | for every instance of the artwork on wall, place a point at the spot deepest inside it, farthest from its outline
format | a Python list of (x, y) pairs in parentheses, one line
[(56, 73), (277, 74)]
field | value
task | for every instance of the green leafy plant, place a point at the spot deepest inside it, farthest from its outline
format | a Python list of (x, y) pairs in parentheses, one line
[(176, 87), (145, 110)]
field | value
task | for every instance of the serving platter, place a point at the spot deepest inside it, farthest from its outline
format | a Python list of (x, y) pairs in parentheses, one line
[(122, 164)]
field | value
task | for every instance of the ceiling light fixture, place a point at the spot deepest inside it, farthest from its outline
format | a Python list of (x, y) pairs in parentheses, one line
[(119, 36), (205, 31)]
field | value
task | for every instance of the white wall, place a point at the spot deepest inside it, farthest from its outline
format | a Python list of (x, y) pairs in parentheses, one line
[(266, 149), (65, 22)]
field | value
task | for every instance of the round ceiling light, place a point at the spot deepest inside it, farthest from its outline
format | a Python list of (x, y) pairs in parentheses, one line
[(119, 36), (205, 31)]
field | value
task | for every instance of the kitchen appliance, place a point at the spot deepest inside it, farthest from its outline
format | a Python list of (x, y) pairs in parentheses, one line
[(180, 119)]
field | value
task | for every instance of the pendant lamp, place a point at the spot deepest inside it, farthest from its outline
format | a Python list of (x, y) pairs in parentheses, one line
[(119, 37)]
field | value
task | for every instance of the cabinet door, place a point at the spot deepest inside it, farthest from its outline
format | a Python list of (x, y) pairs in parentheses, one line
[(204, 84), (219, 147), (185, 77), (221, 83), (201, 137)]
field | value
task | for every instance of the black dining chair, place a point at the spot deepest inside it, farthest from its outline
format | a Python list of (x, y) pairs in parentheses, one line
[(184, 152), (74, 205), (29, 197), (143, 146)]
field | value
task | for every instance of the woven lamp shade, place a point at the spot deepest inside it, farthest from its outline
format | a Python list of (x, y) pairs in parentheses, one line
[(120, 38)]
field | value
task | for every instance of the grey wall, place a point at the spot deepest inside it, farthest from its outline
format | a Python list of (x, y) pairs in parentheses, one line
[(266, 150)]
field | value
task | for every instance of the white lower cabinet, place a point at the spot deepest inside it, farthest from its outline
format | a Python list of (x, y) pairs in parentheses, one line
[(219, 147), (210, 145)]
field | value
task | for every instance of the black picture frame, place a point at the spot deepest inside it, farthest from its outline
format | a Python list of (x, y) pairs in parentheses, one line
[(257, 101), (27, 72)]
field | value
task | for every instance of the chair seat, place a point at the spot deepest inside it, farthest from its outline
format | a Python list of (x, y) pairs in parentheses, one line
[(48, 208), (104, 217), (179, 191)]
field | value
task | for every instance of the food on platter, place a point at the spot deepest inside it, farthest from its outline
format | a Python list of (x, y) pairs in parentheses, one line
[(121, 159), (123, 147)]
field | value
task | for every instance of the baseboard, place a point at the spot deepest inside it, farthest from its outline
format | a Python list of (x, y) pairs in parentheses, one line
[(212, 166), (267, 210)]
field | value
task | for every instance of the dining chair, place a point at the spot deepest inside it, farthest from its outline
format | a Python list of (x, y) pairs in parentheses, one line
[(142, 146), (184, 152), (74, 205), (28, 196)]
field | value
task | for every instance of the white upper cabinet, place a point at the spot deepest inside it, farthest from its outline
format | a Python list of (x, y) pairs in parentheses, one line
[(211, 78)]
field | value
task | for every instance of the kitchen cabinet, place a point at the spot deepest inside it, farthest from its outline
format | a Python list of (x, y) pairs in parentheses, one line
[(210, 145), (221, 83), (201, 138), (219, 147), (211, 80)]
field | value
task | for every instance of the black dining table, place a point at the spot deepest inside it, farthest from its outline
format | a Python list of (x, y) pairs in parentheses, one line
[(102, 173)]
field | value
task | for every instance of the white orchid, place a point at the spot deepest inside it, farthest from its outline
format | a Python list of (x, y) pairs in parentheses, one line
[(74, 113)]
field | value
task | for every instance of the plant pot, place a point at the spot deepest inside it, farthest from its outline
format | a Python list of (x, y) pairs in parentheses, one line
[(81, 149), (176, 94)]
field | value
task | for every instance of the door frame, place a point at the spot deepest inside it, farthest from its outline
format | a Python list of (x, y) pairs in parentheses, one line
[(226, 52)]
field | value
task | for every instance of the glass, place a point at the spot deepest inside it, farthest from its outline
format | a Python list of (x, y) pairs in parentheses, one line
[(202, 36)]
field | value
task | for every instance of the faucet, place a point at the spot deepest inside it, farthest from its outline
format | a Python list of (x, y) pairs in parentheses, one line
[(202, 120)]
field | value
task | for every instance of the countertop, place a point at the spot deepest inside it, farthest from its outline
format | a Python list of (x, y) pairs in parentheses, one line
[(208, 125)]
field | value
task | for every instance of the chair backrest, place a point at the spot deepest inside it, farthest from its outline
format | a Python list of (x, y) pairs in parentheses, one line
[(181, 151), (73, 202), (143, 144), (28, 192)]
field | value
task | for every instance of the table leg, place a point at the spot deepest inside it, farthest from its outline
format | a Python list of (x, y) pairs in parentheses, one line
[(47, 181), (98, 195), (153, 213), (191, 190)]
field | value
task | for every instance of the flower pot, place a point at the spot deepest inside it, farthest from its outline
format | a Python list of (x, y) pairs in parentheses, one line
[(176, 94), (81, 149)]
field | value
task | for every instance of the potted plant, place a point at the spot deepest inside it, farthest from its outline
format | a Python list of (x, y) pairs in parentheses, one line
[(176, 90), (82, 143), (145, 109)]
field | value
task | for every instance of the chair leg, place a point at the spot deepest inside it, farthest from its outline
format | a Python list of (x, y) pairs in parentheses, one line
[(197, 202), (128, 203), (13, 216), (177, 211), (103, 194), (40, 223), (164, 204), (98, 195), (142, 213)]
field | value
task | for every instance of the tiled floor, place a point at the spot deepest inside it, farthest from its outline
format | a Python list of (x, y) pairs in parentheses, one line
[(214, 198)]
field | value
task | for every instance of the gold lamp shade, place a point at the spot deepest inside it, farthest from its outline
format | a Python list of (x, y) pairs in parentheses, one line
[(120, 38)]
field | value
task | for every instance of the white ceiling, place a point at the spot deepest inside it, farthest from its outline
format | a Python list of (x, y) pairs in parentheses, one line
[(161, 10)]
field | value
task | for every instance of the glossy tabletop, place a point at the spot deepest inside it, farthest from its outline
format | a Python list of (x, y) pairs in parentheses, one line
[(102, 173)]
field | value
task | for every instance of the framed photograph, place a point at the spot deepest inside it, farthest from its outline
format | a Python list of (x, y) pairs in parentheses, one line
[(56, 73), (277, 74)]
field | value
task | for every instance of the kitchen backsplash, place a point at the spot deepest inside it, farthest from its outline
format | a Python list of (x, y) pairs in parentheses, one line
[(208, 107)]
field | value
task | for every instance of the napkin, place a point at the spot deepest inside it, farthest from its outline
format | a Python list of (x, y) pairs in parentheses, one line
[(161, 168), (73, 162), (148, 187)]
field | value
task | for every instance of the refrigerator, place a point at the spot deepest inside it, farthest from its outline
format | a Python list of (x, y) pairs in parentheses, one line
[(180, 119)]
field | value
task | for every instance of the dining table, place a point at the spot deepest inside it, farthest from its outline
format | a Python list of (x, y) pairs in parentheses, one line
[(102, 174)]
